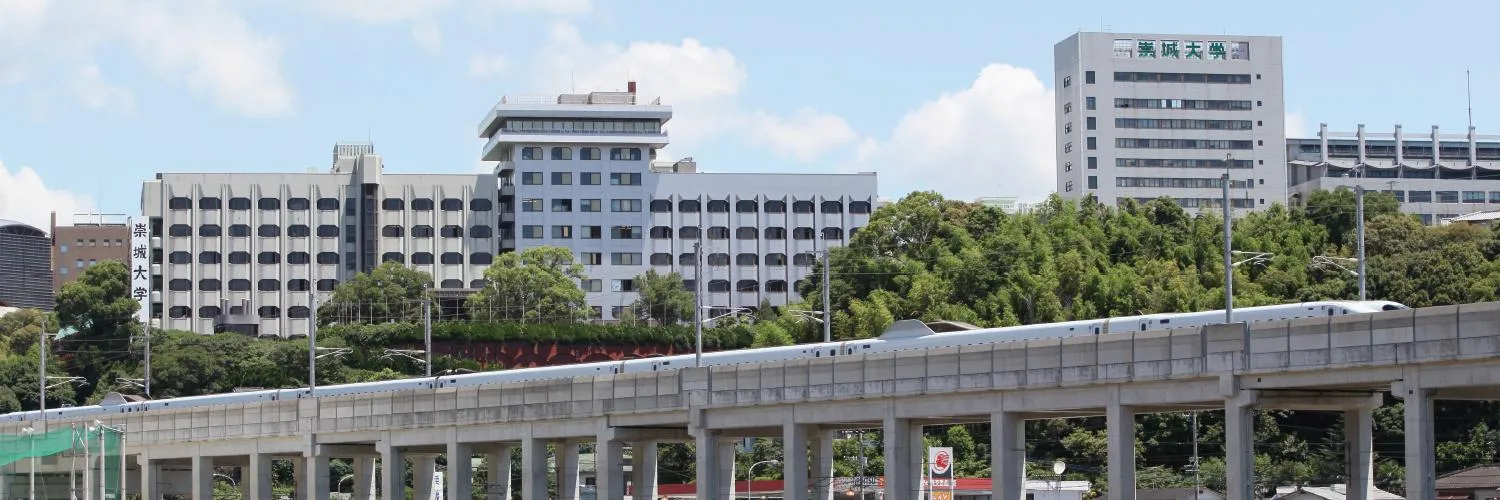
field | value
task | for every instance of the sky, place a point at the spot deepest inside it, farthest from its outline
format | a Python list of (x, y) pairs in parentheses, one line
[(97, 97)]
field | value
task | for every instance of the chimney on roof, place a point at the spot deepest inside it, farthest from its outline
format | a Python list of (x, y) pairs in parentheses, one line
[(630, 87)]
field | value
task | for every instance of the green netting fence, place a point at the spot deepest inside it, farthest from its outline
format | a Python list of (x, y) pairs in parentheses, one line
[(72, 461)]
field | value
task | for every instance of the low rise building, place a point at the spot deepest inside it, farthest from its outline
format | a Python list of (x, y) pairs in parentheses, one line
[(90, 239)]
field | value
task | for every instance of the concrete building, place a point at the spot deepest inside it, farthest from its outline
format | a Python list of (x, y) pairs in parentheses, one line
[(1460, 176), (1140, 116), (1474, 483), (580, 171), (244, 252), (25, 266), (92, 238)]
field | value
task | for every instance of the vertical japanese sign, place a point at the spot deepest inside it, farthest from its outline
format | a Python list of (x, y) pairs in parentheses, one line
[(940, 473), (140, 265)]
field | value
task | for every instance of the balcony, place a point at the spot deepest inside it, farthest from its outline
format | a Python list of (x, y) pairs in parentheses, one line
[(493, 151), (504, 168), (508, 191)]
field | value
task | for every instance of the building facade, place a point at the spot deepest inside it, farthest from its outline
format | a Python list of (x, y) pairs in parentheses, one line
[(1140, 116), (91, 239), (1460, 175), (246, 252), (25, 266), (579, 171)]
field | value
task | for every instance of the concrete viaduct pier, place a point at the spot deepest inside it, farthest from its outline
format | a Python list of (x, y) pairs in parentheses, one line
[(1339, 363)]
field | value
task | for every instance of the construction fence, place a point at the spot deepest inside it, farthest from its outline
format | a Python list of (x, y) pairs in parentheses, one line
[(68, 462)]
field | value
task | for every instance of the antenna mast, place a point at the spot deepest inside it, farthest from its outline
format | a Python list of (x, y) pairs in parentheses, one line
[(1469, 98)]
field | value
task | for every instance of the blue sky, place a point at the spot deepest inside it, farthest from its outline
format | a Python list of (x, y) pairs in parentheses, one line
[(952, 96)]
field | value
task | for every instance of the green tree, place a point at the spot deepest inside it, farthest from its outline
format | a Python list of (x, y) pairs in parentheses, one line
[(22, 329), (390, 292), (539, 284), (663, 298), (99, 306)]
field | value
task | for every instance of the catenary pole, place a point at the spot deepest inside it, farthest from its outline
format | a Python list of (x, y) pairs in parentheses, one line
[(827, 309), (1228, 264), (1359, 209), (698, 301)]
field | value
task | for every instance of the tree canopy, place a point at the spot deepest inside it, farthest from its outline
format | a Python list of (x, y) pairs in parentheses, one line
[(538, 285)]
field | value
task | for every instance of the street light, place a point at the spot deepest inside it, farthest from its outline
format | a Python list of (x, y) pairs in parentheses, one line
[(750, 476)]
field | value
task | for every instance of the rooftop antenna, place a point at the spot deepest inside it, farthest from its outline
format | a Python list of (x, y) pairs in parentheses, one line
[(1469, 97)]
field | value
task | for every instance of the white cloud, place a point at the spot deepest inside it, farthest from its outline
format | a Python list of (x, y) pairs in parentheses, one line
[(1296, 124), (427, 35), (89, 86), (701, 83), (487, 65), (992, 139), (806, 135), (25, 198), (205, 43)]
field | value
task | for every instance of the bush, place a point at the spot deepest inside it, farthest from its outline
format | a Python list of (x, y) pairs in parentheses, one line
[(385, 334)]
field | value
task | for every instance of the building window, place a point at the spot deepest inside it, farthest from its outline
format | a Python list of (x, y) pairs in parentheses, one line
[(625, 154), (689, 233), (746, 259), (718, 206), (1067, 107), (208, 312), (209, 285), (210, 257), (624, 179), (1067, 81), (1088, 77), (268, 258), (422, 231), (689, 206), (1152, 77), (531, 204), (562, 178), (746, 233), (775, 233), (239, 203), (298, 258), (718, 233), (588, 153), (1068, 187), (451, 258), (802, 207), (451, 205), (531, 231), (1068, 128), (661, 233), (562, 232), (591, 178), (421, 258), (591, 232), (180, 203), (298, 204), (803, 233), (327, 285), (209, 203), (269, 204), (392, 204), (594, 285), (1093, 163), (481, 205), (531, 178), (1089, 103), (624, 205), (562, 205), (328, 231), (776, 259), (239, 257), (328, 204), (1068, 148), (591, 258), (562, 153), (661, 259), (590, 205), (1092, 143), (396, 257), (531, 153), (421, 205), (451, 231), (625, 259), (1093, 182), (1182, 143), (392, 231), (239, 230), (1091, 123), (859, 207), (625, 232), (832, 207), (775, 207), (481, 232)]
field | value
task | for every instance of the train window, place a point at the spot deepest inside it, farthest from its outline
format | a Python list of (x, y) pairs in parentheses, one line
[(1143, 328), (816, 354), (1096, 332), (867, 346), (1165, 321)]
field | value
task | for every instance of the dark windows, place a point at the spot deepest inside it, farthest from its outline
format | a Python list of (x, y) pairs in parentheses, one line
[(396, 257), (833, 233), (746, 259), (661, 233), (239, 257), (1182, 124), (271, 285), (210, 257), (452, 205), (661, 206), (327, 285), (1153, 77), (481, 258), (689, 206), (588, 153), (298, 204), (180, 285), (803, 233), (718, 206), (328, 231), (802, 207), (180, 203), (180, 230), (297, 312), (268, 258), (1182, 143), (624, 179), (239, 285), (392, 231), (718, 233), (421, 258), (451, 232), (627, 154), (481, 205), (452, 258), (268, 230), (298, 231), (239, 230), (239, 203), (328, 257), (775, 207), (1197, 104), (1088, 78), (688, 232), (746, 206), (481, 232), (297, 285), (328, 204), (562, 153), (180, 257), (208, 312), (209, 285), (393, 204), (746, 233), (661, 259), (775, 233), (210, 230), (298, 258), (269, 311), (269, 204), (859, 207), (832, 207), (421, 205)]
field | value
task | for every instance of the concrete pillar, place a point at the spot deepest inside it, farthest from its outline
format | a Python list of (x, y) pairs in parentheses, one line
[(317, 477), (794, 459), (150, 476), (903, 461), (497, 473), (423, 468), (299, 478), (392, 473), (643, 470), (609, 466), (566, 458), (257, 477), (1120, 422), (1359, 435), (364, 478), (1421, 463), (203, 478), (533, 469), (460, 478), (726, 472), (706, 445), (1008, 456), (822, 464), (1239, 451)]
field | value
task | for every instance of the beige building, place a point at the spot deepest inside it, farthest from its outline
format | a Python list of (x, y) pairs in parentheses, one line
[(91, 239)]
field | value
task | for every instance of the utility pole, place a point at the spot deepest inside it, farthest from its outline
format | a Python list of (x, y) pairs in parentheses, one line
[(698, 300), (427, 332), (42, 372), (147, 375), (312, 342), (827, 309), (1228, 263), (1197, 480), (1359, 213)]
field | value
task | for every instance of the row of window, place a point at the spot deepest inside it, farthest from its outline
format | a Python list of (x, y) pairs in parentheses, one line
[(1157, 77), (1183, 124), (552, 126), (1177, 182), (1199, 104), (584, 178), (449, 231), (1183, 143), (328, 231), (1180, 163), (269, 258), (1446, 196), (1407, 151), (685, 232), (744, 285), (329, 204), (585, 153), (1200, 202), (741, 259), (243, 285), (181, 312)]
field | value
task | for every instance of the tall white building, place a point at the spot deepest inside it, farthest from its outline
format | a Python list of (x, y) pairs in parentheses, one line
[(242, 251), (1460, 176), (578, 171), (1141, 116)]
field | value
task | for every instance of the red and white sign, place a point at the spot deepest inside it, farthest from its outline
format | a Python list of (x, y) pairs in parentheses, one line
[(940, 467)]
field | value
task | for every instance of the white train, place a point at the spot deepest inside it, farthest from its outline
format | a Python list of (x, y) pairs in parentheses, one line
[(903, 335)]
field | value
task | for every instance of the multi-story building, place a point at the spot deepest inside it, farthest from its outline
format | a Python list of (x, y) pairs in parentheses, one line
[(25, 266), (245, 251), (93, 238), (579, 171), (1459, 176), (1140, 116)]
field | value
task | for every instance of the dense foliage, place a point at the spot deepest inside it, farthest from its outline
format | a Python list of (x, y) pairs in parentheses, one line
[(920, 257)]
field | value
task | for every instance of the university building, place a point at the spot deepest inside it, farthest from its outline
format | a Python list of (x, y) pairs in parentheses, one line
[(1435, 176), (1140, 116), (247, 252)]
